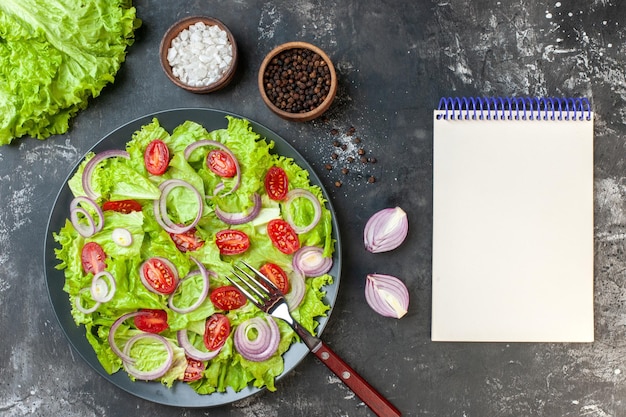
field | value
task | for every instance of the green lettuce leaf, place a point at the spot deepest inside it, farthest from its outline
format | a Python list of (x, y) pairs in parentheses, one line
[(54, 56)]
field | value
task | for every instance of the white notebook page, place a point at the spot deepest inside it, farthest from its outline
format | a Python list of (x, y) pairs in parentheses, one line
[(512, 231)]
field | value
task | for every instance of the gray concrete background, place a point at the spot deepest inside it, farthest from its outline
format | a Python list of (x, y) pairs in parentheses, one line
[(395, 59)]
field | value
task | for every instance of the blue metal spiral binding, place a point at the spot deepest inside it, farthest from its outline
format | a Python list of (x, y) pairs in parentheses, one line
[(514, 108)]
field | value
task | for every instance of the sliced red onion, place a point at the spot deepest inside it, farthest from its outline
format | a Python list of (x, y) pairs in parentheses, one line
[(310, 260), (387, 295), (155, 373), (160, 206), (240, 218), (297, 289), (103, 287), (117, 323), (264, 345), (386, 230), (144, 280), (203, 294), (192, 351), (92, 227), (79, 303), (317, 207), (207, 142), (91, 165), (122, 237)]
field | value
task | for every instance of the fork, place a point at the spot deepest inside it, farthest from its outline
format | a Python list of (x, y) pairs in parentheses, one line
[(262, 292)]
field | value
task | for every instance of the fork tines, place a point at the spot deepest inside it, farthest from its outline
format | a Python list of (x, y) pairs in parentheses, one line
[(253, 284)]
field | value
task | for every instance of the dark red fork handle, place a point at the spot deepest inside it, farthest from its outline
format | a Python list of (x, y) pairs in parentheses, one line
[(359, 386)]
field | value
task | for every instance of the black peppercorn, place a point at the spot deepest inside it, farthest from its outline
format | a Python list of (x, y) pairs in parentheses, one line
[(304, 79)]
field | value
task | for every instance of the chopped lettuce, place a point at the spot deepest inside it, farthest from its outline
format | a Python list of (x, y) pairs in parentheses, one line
[(121, 178), (54, 56)]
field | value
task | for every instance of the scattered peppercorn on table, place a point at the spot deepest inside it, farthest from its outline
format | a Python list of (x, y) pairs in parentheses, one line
[(371, 150)]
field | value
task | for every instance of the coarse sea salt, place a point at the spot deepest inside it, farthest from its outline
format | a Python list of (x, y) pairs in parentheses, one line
[(200, 54)]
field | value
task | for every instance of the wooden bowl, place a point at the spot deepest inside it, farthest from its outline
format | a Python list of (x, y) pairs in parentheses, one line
[(174, 31), (278, 105)]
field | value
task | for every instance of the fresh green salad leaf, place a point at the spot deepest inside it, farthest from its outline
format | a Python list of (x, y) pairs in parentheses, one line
[(54, 56), (123, 179)]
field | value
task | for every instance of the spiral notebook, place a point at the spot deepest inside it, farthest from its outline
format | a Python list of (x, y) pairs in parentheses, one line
[(513, 220)]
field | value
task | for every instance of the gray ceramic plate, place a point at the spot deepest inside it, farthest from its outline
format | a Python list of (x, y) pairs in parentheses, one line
[(180, 394)]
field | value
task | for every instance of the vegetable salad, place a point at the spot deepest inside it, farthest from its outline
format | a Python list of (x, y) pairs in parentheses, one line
[(117, 291)]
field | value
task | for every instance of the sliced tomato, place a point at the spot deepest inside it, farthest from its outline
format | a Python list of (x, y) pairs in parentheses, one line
[(216, 331), (277, 275), (194, 370), (159, 276), (187, 241), (227, 298), (232, 242), (283, 237), (92, 258), (152, 321), (122, 206), (156, 157), (276, 183), (221, 163)]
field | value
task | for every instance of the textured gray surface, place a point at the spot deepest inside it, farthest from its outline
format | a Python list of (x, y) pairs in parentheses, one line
[(394, 60)]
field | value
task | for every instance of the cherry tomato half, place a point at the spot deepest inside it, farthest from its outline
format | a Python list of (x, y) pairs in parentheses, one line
[(92, 258), (227, 298), (156, 157), (276, 274), (159, 276), (276, 183), (122, 206), (221, 163), (216, 331), (187, 241), (283, 237), (151, 321), (232, 242), (194, 370)]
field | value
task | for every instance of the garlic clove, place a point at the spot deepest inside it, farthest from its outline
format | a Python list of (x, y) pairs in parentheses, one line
[(386, 230)]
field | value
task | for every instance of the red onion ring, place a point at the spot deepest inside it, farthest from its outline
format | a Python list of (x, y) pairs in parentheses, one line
[(91, 165), (264, 345), (111, 338), (92, 227), (103, 276), (317, 206), (386, 295), (192, 351), (240, 218), (207, 142), (156, 373), (311, 262), (79, 304), (160, 206), (203, 294), (297, 289)]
